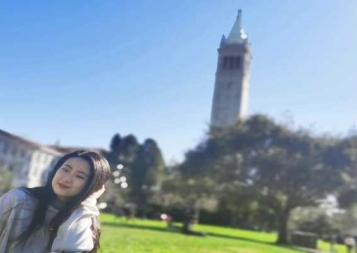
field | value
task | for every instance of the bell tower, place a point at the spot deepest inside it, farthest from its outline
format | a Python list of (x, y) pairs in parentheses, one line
[(231, 88)]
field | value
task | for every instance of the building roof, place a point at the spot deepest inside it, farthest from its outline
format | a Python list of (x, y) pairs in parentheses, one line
[(237, 34), (31, 143), (66, 150)]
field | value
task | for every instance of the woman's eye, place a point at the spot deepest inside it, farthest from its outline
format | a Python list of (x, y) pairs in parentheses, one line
[(80, 177), (65, 169)]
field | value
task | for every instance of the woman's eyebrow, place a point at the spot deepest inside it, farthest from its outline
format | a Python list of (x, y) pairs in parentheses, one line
[(83, 173), (68, 165)]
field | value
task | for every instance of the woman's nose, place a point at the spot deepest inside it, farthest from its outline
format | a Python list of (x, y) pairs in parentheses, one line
[(68, 178)]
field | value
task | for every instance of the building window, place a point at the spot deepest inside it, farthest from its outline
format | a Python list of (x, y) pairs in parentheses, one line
[(9, 151), (225, 62), (35, 171), (5, 147), (14, 152), (238, 62), (231, 62), (45, 159)]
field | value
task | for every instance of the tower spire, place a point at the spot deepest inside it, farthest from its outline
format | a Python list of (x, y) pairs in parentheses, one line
[(239, 18), (237, 34)]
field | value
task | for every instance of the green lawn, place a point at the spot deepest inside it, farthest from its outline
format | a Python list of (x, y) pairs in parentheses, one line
[(152, 237)]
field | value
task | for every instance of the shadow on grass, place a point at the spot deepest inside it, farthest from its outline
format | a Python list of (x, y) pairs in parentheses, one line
[(177, 231), (136, 226)]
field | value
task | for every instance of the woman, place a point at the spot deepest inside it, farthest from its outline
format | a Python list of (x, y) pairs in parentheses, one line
[(62, 215)]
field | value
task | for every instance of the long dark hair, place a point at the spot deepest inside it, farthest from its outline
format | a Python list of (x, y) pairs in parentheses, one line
[(99, 174)]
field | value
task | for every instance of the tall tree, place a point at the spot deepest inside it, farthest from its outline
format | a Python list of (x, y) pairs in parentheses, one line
[(343, 155), (189, 192), (130, 147), (146, 173), (116, 145), (123, 149), (121, 157), (283, 169)]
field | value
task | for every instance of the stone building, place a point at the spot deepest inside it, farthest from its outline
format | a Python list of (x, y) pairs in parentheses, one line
[(29, 162), (68, 149), (231, 88)]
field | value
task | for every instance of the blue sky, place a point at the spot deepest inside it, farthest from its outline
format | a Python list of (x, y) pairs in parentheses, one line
[(81, 71)]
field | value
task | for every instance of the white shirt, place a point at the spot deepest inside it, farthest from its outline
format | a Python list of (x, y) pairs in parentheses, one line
[(74, 235)]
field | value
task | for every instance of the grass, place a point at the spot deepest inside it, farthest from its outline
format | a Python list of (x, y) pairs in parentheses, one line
[(324, 246), (149, 236)]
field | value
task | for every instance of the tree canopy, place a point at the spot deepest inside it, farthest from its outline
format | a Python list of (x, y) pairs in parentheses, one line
[(278, 167)]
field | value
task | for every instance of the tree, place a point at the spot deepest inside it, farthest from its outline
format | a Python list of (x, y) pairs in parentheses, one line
[(121, 157), (115, 147), (343, 155), (123, 150), (315, 219), (129, 149), (282, 168), (189, 194), (146, 173), (141, 169), (287, 168), (242, 208), (345, 221)]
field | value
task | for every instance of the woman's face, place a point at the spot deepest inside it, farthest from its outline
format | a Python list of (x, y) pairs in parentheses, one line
[(71, 178)]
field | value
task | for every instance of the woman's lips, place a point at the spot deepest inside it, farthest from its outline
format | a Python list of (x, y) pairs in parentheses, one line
[(62, 186)]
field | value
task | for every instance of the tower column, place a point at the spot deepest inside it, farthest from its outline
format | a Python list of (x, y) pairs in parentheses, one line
[(231, 88)]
